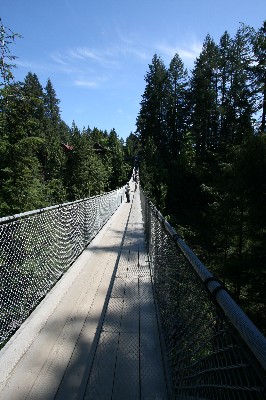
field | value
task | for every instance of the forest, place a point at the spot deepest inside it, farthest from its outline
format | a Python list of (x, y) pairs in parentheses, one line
[(201, 147), (42, 160)]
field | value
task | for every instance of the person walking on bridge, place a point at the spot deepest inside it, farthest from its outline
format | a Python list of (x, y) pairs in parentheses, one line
[(127, 190)]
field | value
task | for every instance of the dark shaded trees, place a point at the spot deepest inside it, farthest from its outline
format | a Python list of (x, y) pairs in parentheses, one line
[(177, 111), (259, 70), (204, 100), (151, 127), (202, 148), (120, 170)]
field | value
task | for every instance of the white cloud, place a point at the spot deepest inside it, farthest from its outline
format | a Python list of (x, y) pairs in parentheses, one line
[(190, 53), (187, 52), (83, 53), (32, 65), (85, 83), (90, 80), (58, 58), (137, 52), (85, 67), (90, 67)]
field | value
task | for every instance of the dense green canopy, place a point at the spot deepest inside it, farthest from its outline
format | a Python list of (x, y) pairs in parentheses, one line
[(201, 147), (203, 157)]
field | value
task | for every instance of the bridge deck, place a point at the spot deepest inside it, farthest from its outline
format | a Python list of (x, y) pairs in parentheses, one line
[(95, 335)]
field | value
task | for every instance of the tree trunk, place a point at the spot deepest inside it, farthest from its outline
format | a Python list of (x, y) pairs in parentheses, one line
[(262, 127), (240, 248)]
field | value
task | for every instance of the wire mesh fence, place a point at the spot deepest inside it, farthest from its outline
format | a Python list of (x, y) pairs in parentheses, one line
[(37, 247), (212, 350)]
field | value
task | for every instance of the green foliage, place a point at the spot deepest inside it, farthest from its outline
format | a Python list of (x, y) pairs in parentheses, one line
[(7, 37), (151, 118), (200, 143), (86, 174), (116, 160), (43, 161), (202, 157), (259, 74)]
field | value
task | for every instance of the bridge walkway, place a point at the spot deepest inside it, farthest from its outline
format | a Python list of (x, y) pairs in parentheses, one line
[(95, 335)]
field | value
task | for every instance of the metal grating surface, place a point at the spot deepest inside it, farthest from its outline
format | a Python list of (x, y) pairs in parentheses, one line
[(126, 382), (100, 384), (128, 363)]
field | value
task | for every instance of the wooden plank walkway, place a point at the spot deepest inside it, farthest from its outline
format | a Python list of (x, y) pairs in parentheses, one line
[(95, 335)]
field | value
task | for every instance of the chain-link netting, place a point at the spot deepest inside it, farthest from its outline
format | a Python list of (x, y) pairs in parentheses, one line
[(212, 351), (36, 248)]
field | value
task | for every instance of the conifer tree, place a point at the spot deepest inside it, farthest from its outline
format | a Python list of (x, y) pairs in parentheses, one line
[(225, 73), (116, 159), (23, 118), (177, 106), (151, 119), (241, 94), (53, 157), (34, 102), (204, 93), (7, 37), (151, 128), (259, 70), (132, 149)]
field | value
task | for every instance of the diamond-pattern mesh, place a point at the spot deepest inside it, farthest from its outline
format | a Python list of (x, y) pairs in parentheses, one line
[(127, 367), (100, 383), (207, 356), (36, 248)]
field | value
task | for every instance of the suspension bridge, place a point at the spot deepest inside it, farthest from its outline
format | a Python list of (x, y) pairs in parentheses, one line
[(100, 299)]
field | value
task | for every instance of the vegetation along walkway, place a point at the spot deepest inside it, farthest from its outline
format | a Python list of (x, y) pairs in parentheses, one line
[(95, 335)]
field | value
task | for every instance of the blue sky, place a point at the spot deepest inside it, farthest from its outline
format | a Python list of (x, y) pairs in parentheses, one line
[(97, 52)]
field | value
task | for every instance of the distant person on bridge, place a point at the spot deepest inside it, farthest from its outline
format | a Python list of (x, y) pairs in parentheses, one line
[(135, 175), (127, 190)]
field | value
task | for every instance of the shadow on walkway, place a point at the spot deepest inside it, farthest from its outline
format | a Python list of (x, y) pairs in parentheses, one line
[(99, 338)]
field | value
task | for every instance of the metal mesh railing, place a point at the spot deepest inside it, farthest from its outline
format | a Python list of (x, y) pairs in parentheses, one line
[(213, 351), (37, 247)]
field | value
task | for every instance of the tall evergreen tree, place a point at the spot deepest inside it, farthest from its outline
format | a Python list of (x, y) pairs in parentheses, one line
[(204, 92), (241, 94), (131, 148), (52, 110), (34, 111), (22, 187), (177, 106), (151, 119), (151, 128), (7, 37), (225, 73), (116, 159), (53, 157), (259, 69)]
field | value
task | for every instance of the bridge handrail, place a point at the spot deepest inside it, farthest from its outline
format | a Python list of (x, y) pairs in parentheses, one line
[(246, 328), (220, 352), (37, 247), (26, 214)]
